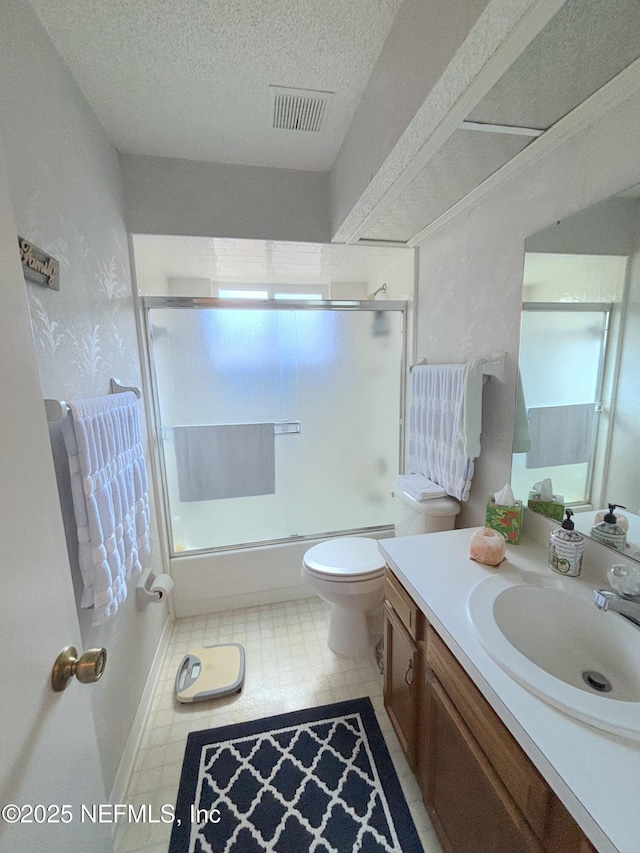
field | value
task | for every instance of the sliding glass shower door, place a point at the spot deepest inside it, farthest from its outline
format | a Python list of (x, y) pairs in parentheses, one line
[(276, 422)]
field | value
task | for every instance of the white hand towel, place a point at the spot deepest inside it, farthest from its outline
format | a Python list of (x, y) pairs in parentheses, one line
[(470, 424), (419, 487)]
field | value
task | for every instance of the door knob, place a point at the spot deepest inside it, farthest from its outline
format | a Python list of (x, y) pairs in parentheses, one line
[(87, 668)]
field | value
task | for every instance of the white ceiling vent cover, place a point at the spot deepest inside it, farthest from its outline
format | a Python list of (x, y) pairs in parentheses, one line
[(299, 109)]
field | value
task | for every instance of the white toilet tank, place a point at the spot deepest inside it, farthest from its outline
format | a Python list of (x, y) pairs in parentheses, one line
[(430, 516)]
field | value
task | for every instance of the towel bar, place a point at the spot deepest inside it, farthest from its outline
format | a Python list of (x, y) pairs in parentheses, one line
[(281, 428), (57, 409), (493, 365)]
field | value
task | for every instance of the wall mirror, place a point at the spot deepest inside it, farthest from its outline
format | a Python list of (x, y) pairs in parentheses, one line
[(578, 412)]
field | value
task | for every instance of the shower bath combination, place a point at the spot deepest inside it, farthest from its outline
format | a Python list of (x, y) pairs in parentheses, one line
[(278, 422)]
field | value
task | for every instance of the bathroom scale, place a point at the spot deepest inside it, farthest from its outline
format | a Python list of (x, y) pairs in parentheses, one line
[(207, 672)]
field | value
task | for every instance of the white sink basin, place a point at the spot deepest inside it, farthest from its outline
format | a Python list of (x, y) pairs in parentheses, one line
[(562, 648)]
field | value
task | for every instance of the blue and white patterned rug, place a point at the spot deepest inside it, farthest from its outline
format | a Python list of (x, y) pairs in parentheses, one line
[(319, 780)]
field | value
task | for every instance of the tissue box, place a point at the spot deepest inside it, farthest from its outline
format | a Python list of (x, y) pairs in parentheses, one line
[(505, 519), (551, 509)]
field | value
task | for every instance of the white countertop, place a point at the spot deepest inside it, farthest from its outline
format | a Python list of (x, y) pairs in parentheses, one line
[(595, 775)]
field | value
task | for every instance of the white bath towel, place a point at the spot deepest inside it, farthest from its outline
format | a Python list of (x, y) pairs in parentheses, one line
[(438, 439), (110, 499), (419, 487), (560, 435)]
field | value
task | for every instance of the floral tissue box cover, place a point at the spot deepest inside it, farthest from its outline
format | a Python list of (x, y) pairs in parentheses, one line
[(505, 519)]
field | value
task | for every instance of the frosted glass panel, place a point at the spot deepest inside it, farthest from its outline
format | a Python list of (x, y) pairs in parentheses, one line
[(560, 357), (329, 382)]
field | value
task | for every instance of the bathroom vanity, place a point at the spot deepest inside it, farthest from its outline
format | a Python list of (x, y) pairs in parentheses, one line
[(499, 768)]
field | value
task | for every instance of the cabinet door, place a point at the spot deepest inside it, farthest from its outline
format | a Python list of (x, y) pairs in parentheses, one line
[(469, 806), (526, 787), (400, 681)]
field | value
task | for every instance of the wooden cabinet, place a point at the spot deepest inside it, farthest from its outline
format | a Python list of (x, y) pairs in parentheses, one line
[(480, 788), (401, 672), (527, 789), (469, 805)]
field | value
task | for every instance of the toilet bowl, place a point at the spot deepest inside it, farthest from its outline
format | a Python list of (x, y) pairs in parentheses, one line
[(347, 573)]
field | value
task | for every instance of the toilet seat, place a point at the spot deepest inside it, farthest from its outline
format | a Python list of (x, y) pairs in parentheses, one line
[(347, 573), (347, 559)]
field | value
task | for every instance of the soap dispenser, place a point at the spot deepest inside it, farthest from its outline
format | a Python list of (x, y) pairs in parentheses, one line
[(609, 532), (566, 547)]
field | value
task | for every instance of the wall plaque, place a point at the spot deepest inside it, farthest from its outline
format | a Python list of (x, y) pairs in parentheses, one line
[(39, 267)]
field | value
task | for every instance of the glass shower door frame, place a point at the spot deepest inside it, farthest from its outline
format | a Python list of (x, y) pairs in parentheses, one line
[(178, 302), (604, 308)]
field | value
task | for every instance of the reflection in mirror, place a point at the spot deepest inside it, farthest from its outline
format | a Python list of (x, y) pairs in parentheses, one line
[(577, 430)]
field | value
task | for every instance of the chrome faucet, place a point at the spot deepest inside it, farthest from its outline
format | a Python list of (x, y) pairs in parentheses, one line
[(626, 605)]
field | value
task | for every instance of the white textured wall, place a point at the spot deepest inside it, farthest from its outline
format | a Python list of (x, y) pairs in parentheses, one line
[(66, 194), (470, 270), (398, 276), (167, 196)]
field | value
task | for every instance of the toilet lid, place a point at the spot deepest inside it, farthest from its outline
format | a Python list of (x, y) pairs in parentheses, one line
[(350, 558)]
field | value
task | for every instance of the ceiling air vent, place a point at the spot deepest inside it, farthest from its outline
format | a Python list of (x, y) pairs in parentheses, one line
[(299, 109)]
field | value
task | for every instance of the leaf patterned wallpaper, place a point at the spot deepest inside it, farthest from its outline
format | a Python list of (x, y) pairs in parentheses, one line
[(81, 346), (85, 333)]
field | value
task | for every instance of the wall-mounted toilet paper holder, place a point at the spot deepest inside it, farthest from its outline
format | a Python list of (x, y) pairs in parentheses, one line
[(153, 588)]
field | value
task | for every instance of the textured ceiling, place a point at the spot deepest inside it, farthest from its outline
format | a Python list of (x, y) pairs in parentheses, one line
[(584, 45), (190, 79), (463, 162)]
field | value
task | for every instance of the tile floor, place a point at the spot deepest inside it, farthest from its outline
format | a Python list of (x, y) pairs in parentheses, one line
[(289, 666)]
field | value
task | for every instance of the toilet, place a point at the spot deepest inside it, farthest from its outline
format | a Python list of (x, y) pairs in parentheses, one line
[(411, 517), (348, 572)]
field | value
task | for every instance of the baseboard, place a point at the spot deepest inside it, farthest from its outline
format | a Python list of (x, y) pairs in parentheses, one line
[(251, 599), (125, 768)]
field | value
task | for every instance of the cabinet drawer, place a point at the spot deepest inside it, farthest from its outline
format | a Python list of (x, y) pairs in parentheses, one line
[(524, 783), (404, 606)]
